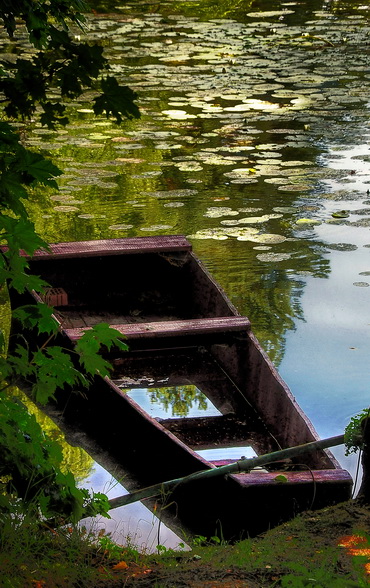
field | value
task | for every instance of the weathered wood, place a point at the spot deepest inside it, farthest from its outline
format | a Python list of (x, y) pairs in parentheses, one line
[(234, 468), (182, 330), (215, 431), (174, 328), (114, 247)]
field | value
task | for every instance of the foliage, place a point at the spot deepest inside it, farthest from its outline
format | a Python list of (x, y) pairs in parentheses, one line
[(353, 436), (302, 576), (59, 63), (30, 470), (179, 399), (34, 554), (60, 66)]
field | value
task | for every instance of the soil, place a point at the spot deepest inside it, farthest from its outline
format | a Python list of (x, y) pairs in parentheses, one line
[(309, 540)]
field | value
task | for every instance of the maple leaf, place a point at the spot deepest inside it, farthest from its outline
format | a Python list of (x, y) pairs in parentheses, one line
[(20, 363), (39, 316), (54, 370), (117, 100), (104, 334), (93, 363), (20, 234), (40, 169)]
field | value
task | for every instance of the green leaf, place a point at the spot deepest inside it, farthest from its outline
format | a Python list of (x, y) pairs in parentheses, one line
[(20, 234), (20, 364), (281, 479), (39, 316), (40, 169), (13, 270), (116, 100), (54, 370), (22, 282), (89, 345), (105, 335), (94, 363)]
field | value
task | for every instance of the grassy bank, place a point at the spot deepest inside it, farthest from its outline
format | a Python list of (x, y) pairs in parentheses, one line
[(327, 548)]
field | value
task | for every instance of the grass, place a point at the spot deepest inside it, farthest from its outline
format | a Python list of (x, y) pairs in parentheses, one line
[(302, 552)]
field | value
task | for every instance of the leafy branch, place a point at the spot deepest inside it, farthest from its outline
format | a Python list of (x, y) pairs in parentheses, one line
[(353, 434), (30, 468)]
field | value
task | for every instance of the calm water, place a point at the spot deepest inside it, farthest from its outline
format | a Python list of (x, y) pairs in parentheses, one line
[(253, 142)]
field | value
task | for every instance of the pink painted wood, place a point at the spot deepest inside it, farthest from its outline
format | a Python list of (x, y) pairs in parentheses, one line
[(301, 477), (115, 247), (174, 328)]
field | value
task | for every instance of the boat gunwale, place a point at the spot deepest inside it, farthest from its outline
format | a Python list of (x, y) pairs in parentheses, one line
[(105, 247)]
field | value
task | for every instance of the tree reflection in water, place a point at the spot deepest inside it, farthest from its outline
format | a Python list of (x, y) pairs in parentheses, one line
[(179, 399)]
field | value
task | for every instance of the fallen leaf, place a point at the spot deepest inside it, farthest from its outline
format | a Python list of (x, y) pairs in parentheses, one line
[(351, 541), (122, 565)]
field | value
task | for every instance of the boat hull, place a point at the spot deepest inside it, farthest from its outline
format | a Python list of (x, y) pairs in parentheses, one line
[(181, 329)]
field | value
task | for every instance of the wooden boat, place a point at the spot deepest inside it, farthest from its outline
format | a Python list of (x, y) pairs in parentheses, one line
[(183, 331)]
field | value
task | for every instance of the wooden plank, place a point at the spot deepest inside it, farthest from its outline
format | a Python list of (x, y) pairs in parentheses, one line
[(215, 431), (174, 328), (105, 247), (261, 478)]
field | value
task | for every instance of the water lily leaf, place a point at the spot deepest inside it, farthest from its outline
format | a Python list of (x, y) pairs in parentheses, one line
[(178, 114), (273, 256), (172, 193), (66, 208), (154, 228), (229, 223), (341, 246), (174, 205), (121, 227), (294, 187), (268, 238), (340, 214), (255, 104), (269, 13), (219, 211), (189, 166), (285, 209), (129, 160), (307, 221), (259, 219), (244, 233)]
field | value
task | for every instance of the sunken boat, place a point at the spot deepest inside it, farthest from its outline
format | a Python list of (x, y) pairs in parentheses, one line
[(182, 331)]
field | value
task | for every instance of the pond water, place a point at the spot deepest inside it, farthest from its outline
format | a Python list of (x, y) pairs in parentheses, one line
[(253, 142)]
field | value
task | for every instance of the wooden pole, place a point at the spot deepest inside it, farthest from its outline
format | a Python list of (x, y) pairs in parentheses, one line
[(243, 465), (363, 495)]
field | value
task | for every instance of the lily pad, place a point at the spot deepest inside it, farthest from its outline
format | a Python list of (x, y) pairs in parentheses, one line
[(259, 219), (172, 193), (178, 114), (121, 227), (268, 238), (154, 228), (66, 208), (219, 211), (307, 221), (273, 257), (173, 205), (340, 214), (341, 246)]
